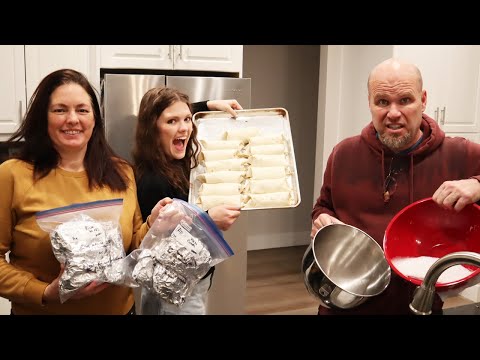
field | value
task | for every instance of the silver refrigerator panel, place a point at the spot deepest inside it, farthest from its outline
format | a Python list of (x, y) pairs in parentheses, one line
[(200, 88), (122, 94)]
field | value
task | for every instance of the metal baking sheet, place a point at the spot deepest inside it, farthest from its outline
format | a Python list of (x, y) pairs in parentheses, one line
[(271, 121)]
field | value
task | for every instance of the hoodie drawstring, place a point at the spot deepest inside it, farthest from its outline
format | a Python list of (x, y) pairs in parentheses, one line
[(383, 175), (411, 179)]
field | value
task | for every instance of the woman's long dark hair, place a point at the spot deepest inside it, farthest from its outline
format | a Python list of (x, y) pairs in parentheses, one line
[(103, 166), (147, 154)]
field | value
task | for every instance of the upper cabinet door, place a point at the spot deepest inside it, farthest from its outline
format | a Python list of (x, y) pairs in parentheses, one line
[(41, 60), (451, 78), (460, 110), (12, 87), (136, 56), (228, 58)]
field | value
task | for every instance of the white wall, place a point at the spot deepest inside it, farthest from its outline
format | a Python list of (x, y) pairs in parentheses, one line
[(286, 76), (343, 110), (343, 103)]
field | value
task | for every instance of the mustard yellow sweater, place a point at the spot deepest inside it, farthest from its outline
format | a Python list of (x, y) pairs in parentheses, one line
[(32, 263)]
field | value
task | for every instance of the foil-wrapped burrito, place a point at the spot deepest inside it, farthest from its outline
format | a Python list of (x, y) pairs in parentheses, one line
[(90, 250), (172, 267)]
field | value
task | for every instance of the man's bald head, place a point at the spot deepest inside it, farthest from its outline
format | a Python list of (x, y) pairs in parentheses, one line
[(394, 68)]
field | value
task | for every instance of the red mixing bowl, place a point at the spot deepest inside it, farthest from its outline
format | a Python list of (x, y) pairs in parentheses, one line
[(424, 229)]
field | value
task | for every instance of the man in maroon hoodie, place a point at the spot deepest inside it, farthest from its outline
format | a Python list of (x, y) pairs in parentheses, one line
[(401, 156)]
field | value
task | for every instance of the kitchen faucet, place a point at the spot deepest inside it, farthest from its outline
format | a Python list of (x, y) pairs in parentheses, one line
[(423, 296)]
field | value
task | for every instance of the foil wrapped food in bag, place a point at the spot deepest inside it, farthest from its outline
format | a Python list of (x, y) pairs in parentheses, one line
[(89, 249)]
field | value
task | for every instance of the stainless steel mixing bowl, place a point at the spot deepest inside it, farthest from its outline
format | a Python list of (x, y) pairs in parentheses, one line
[(344, 266)]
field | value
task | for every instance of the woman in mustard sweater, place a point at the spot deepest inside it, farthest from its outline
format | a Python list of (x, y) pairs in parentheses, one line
[(65, 159)]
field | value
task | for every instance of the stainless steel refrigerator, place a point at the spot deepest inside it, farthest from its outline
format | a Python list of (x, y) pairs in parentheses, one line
[(121, 96)]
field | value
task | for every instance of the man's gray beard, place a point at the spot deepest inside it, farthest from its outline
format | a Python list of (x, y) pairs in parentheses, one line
[(395, 143)]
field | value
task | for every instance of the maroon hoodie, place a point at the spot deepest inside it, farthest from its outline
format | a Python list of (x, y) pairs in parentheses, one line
[(353, 192)]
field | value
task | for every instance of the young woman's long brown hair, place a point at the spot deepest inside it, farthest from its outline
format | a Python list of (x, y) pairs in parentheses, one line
[(103, 166), (147, 153)]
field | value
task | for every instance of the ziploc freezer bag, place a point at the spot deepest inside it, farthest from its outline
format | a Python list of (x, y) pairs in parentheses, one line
[(178, 250), (87, 239)]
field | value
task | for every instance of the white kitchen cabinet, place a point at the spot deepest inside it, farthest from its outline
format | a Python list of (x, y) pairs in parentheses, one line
[(451, 77), (136, 56), (22, 67), (12, 88), (40, 60), (225, 58)]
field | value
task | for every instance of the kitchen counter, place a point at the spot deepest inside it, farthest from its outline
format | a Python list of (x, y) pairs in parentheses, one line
[(470, 309)]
